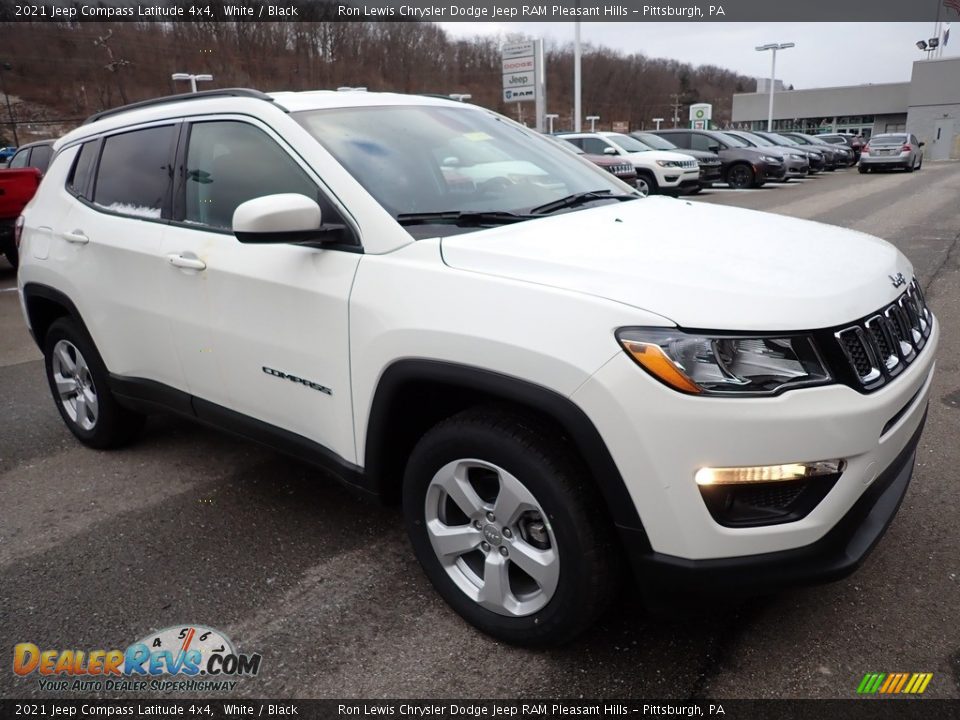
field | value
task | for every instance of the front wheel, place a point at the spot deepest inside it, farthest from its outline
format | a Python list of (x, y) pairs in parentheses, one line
[(79, 383), (647, 185), (862, 170), (740, 176), (507, 527)]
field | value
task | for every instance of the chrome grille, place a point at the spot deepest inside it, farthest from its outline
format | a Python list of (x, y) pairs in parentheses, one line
[(880, 347), (689, 163)]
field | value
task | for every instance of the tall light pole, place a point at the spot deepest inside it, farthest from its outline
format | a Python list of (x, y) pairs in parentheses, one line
[(4, 66), (773, 74), (658, 121), (194, 79), (577, 125), (593, 122), (550, 118)]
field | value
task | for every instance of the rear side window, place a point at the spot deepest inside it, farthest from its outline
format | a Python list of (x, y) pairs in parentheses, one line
[(40, 157), (702, 142), (231, 162), (20, 159), (79, 181), (595, 146), (134, 173)]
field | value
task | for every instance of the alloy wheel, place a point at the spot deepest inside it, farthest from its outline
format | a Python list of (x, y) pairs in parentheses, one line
[(75, 388), (492, 537)]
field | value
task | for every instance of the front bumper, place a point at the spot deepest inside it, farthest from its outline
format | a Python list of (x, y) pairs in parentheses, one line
[(659, 438), (675, 178), (834, 556), (797, 168), (710, 174), (769, 171)]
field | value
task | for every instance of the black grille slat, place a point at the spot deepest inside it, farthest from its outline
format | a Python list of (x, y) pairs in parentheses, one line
[(879, 347)]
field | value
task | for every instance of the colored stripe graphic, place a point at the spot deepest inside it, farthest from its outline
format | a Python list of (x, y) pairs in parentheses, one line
[(894, 683)]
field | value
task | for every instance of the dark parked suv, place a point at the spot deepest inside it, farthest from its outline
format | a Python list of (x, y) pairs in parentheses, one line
[(742, 166), (710, 165)]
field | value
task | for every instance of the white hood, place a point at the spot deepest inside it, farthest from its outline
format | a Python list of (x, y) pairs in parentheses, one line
[(654, 155), (701, 266)]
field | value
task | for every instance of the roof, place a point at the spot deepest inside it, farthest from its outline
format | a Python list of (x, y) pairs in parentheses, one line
[(243, 101)]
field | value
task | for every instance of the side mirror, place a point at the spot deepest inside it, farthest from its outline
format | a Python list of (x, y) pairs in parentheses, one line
[(713, 147), (921, 143), (610, 151), (282, 218)]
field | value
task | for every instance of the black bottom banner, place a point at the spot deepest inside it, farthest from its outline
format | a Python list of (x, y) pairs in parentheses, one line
[(863, 709)]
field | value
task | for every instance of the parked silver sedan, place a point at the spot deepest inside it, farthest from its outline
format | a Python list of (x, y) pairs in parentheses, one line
[(892, 150)]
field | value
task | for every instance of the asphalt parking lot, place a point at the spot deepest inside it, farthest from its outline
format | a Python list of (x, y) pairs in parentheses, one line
[(191, 526)]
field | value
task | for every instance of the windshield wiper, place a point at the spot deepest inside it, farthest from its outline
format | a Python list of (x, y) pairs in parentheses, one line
[(463, 218), (579, 199)]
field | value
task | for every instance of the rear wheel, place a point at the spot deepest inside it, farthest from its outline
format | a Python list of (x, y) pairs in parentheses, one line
[(740, 176), (13, 257), (863, 170), (79, 383), (507, 526)]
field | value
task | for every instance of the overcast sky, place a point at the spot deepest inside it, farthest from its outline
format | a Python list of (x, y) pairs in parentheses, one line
[(826, 54)]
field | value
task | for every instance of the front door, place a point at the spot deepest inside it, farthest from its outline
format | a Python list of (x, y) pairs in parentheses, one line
[(264, 328)]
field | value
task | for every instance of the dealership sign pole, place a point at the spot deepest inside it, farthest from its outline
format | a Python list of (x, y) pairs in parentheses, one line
[(524, 79)]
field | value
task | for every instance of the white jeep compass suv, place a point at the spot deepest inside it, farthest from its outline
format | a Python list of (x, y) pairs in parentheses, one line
[(550, 373)]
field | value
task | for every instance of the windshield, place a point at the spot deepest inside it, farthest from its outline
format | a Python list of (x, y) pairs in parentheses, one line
[(889, 140), (734, 141), (757, 140), (630, 144), (655, 141), (439, 159), (782, 139)]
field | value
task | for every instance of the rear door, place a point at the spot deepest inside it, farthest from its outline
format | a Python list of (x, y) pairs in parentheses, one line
[(109, 244)]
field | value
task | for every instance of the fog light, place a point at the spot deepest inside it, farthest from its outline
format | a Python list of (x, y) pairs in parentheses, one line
[(768, 473)]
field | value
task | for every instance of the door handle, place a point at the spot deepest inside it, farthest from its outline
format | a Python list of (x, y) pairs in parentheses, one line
[(189, 263), (77, 237)]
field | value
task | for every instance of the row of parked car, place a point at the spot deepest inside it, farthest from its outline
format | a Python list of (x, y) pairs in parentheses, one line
[(683, 160)]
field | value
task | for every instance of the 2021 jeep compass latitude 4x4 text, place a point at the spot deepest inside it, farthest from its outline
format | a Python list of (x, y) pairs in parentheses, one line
[(550, 373)]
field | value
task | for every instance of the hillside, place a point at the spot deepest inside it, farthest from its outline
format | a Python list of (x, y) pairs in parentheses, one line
[(63, 72)]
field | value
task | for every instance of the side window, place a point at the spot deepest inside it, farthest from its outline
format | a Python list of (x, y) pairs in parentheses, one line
[(595, 146), (40, 157), (576, 141), (230, 162), (20, 159), (681, 140), (81, 175), (701, 142), (134, 173)]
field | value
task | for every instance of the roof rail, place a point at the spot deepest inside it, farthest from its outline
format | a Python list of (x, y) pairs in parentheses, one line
[(182, 97)]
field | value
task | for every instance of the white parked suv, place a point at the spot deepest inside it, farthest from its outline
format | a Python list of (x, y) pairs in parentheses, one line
[(658, 171), (550, 373)]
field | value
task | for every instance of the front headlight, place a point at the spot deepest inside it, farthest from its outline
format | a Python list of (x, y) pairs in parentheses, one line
[(669, 163), (725, 364), (770, 159)]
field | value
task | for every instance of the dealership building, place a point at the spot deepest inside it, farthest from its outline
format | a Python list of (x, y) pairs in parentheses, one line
[(928, 106)]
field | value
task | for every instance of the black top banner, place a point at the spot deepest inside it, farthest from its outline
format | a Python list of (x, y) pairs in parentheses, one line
[(481, 10)]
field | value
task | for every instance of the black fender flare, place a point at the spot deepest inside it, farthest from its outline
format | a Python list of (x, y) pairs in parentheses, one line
[(553, 405)]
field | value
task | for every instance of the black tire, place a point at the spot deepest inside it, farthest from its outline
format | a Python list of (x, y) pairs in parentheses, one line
[(113, 425), (588, 556), (910, 168), (652, 187), (863, 170), (741, 176), (13, 257)]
